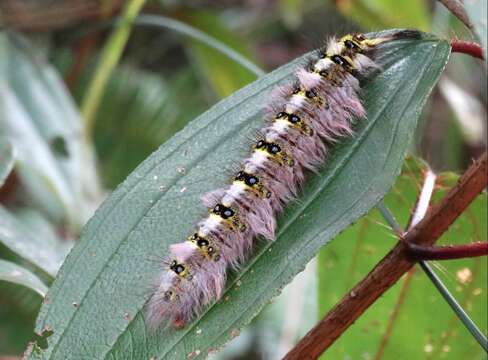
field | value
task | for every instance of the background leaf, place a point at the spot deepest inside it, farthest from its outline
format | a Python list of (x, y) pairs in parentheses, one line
[(379, 14), (7, 156), (141, 110), (159, 203), (219, 71), (291, 12), (43, 125), (18, 309), (30, 236), (367, 242), (16, 274), (477, 10)]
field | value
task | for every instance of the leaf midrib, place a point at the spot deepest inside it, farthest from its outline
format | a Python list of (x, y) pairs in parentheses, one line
[(125, 238), (339, 168), (292, 218)]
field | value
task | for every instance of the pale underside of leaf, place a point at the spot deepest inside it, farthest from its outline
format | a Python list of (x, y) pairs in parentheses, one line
[(7, 157), (110, 272), (32, 237), (16, 274), (36, 113)]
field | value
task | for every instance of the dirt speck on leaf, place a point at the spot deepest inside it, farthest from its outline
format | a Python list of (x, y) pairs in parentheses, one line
[(234, 333)]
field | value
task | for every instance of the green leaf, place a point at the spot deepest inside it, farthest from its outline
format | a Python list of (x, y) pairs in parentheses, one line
[(477, 10), (377, 14), (31, 237), (291, 12), (222, 73), (413, 335), (18, 309), (141, 111), (163, 22), (7, 156), (110, 271), (16, 274), (41, 121)]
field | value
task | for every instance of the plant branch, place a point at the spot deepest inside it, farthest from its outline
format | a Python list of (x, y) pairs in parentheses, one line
[(419, 213), (422, 252), (457, 9), (467, 47), (396, 263)]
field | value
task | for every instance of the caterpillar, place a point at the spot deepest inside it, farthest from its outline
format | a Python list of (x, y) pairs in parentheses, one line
[(302, 120)]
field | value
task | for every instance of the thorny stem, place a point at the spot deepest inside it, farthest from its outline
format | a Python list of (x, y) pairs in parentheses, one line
[(467, 47), (396, 263), (419, 213), (422, 252)]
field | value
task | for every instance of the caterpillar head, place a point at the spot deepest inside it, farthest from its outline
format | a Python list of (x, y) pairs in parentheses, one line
[(357, 43)]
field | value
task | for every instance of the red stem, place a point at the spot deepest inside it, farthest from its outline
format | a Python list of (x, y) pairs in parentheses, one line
[(467, 47), (422, 252)]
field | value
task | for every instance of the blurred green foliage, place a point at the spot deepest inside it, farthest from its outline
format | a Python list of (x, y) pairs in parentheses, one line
[(381, 14), (141, 111), (217, 70), (425, 326)]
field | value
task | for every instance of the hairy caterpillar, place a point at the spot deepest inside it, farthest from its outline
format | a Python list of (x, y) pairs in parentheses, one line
[(303, 119)]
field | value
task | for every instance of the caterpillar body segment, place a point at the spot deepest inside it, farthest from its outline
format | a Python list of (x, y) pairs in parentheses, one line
[(303, 119)]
